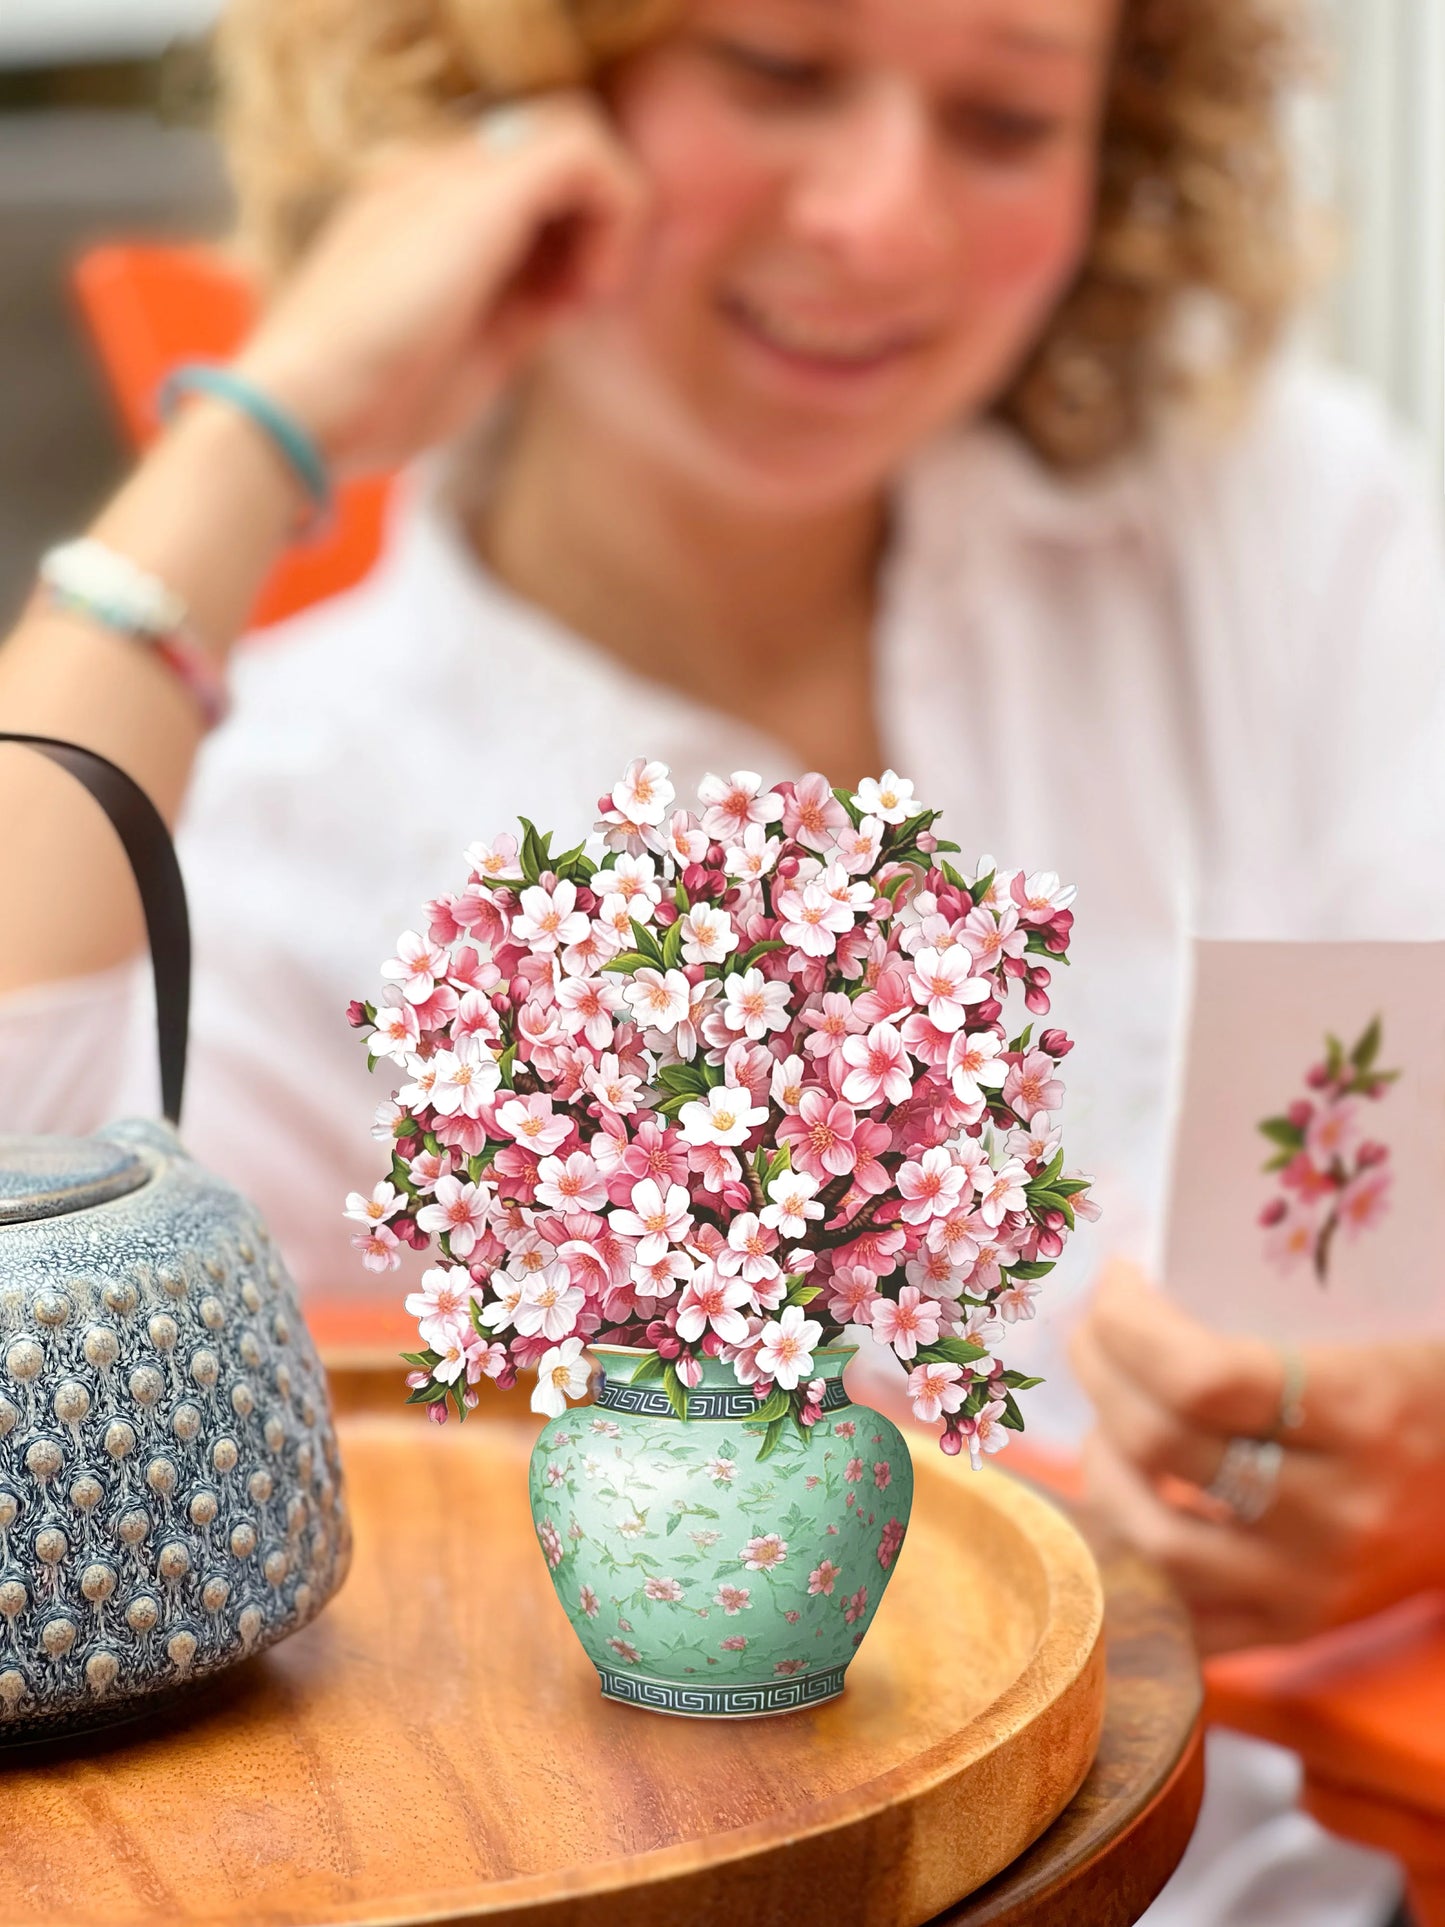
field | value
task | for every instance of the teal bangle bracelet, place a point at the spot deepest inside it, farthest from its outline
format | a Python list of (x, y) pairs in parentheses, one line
[(293, 443)]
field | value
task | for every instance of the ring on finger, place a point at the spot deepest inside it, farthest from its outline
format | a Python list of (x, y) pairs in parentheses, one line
[(1247, 1478)]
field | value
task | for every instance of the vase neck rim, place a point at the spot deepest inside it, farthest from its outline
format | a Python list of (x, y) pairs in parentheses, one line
[(619, 1362)]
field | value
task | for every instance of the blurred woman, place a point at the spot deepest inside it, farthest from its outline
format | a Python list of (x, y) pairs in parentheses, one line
[(798, 384)]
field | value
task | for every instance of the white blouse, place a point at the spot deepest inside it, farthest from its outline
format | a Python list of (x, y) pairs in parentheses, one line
[(1208, 688)]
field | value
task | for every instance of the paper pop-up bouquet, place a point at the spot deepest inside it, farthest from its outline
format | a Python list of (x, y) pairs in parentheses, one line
[(717, 1084)]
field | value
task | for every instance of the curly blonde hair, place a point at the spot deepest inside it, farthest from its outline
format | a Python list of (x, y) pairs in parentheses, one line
[(1195, 221)]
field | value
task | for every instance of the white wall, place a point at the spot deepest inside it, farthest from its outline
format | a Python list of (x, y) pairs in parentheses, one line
[(42, 32), (1385, 134)]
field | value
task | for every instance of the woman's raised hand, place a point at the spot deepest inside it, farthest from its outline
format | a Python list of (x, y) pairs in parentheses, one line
[(1357, 1517), (440, 274)]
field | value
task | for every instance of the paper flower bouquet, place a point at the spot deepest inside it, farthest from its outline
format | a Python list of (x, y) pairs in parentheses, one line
[(735, 1083)]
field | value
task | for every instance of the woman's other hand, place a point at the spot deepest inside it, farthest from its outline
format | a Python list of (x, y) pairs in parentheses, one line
[(1357, 1520), (436, 278)]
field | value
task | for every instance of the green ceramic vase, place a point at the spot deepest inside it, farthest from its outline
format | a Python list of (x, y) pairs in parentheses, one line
[(700, 1578)]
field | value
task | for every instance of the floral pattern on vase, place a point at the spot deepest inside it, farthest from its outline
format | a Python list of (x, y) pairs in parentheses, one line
[(700, 1578)]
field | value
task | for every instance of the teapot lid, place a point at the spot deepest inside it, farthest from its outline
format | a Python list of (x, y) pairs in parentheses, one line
[(49, 1177)]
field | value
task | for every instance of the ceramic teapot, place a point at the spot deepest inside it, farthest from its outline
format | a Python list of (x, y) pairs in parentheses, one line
[(170, 1487)]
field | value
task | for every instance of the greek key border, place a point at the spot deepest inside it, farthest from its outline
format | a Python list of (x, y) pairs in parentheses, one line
[(722, 1702), (706, 1403)]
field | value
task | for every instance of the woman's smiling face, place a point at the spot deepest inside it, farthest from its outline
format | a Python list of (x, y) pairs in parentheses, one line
[(864, 213)]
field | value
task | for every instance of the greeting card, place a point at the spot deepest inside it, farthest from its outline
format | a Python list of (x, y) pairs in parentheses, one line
[(1309, 1151)]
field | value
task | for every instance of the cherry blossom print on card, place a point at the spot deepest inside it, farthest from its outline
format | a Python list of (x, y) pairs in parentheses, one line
[(719, 1083), (1332, 1174)]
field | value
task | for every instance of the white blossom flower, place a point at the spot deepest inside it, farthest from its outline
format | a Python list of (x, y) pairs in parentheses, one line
[(707, 935), (660, 1000), (889, 798), (754, 1005), (754, 855), (736, 803), (549, 1304), (563, 1373), (643, 793), (546, 919), (725, 1116), (794, 1201)]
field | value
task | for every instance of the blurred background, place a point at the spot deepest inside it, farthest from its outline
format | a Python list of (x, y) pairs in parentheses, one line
[(103, 107)]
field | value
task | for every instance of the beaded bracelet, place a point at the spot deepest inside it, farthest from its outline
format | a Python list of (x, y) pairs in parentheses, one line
[(86, 578), (291, 441)]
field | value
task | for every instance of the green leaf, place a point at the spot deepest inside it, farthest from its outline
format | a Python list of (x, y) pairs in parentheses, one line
[(532, 854), (1279, 1130), (955, 877), (750, 957), (803, 1294), (1034, 1268), (680, 898), (689, 1078), (649, 1367), (423, 1360), (845, 797), (505, 1065), (675, 1389), (777, 1164), (673, 1523), (771, 1437), (775, 1406), (1020, 1381), (1368, 1047), (1055, 1169), (908, 831), (426, 1394), (1011, 1416), (647, 944), (1021, 1042), (979, 889), (404, 1126), (1070, 1187), (953, 1351), (940, 845), (672, 946), (628, 960)]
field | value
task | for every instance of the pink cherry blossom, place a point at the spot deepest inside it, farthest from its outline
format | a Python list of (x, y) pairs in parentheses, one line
[(1002, 1192), (1033, 1085), (531, 1121), (713, 1301), (974, 1067), (753, 855), (906, 1322), (460, 1211), (786, 1085), (379, 1247), (812, 815), (820, 1137), (936, 1388), (549, 1303), (417, 966), (442, 1304), (573, 1183), (549, 918), (588, 1005), (1365, 1200), (985, 1432), (385, 1201), (932, 1186), (659, 999), (657, 1218), (707, 935), (614, 1089), (878, 1068), (812, 919), (942, 981), (785, 1353), (733, 804), (750, 1245), (852, 1294)]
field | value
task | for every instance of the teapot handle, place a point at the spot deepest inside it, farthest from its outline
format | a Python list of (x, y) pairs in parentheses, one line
[(142, 830)]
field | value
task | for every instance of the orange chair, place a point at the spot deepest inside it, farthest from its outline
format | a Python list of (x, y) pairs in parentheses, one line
[(1364, 1708), (148, 307)]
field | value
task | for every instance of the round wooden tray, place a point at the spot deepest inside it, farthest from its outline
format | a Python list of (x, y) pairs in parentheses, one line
[(435, 1747)]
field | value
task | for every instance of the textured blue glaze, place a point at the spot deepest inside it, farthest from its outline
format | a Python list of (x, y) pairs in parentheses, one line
[(170, 1486)]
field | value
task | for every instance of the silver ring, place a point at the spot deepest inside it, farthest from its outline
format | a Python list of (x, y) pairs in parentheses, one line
[(1247, 1476), (506, 127)]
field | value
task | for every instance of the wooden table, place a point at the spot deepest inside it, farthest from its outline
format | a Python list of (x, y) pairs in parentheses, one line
[(277, 1800)]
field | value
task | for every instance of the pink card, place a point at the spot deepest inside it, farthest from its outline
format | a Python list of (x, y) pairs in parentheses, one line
[(1309, 1149)]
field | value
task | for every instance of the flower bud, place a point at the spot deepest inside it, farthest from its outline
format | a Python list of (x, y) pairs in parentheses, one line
[(415, 1381), (437, 1412), (1372, 1152), (711, 1345), (356, 1014), (507, 1377), (1273, 1212), (951, 1441), (669, 1347), (1050, 1244), (689, 1370), (1300, 1113), (1317, 1076), (1057, 1043), (810, 1414)]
